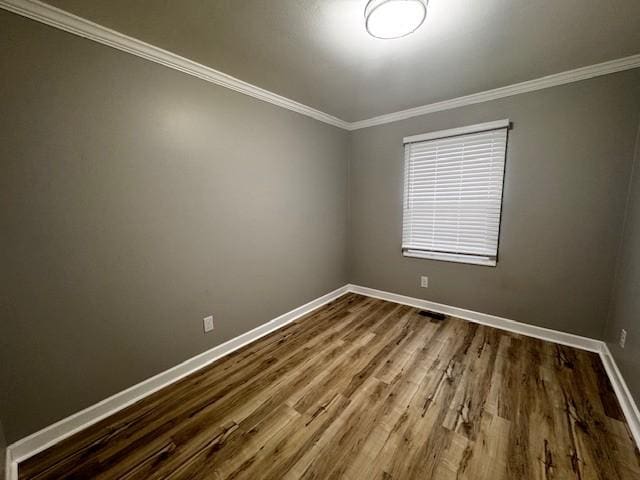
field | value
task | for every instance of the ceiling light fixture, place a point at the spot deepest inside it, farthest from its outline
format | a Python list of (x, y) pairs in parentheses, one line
[(388, 19)]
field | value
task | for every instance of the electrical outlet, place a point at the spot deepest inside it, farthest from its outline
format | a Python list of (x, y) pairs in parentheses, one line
[(208, 324), (424, 282), (623, 337)]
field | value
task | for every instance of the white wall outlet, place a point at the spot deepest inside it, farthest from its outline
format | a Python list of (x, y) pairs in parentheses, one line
[(623, 337), (208, 324), (424, 282)]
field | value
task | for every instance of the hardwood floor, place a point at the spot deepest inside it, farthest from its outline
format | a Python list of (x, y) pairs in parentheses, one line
[(367, 389)]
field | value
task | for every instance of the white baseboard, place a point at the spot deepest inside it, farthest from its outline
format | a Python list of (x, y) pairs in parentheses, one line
[(35, 443), (43, 439), (628, 404), (10, 467), (4, 473), (542, 333)]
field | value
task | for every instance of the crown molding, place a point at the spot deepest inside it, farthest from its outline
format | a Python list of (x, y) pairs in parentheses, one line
[(583, 73), (68, 22)]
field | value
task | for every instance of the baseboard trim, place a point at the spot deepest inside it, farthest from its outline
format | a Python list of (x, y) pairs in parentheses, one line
[(629, 407), (48, 436), (542, 333), (627, 402), (9, 466), (43, 439)]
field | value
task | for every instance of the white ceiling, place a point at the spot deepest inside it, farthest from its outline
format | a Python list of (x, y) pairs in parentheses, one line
[(317, 52)]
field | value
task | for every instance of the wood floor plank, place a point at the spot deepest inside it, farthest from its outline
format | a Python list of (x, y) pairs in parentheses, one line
[(367, 389)]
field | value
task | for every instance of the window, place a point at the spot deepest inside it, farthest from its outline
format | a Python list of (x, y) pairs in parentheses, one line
[(453, 193)]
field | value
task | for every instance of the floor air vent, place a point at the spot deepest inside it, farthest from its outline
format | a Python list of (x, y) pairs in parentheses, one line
[(434, 316)]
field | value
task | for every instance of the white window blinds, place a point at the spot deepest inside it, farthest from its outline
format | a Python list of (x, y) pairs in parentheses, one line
[(453, 193)]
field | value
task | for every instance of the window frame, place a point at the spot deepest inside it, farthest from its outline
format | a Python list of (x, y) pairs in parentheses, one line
[(471, 259)]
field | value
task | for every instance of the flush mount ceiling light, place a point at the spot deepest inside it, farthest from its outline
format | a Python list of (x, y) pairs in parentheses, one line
[(394, 18)]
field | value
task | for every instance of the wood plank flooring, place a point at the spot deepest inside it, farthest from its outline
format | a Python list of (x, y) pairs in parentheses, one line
[(367, 389)]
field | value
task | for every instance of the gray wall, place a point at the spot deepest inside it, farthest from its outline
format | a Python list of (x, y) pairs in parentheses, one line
[(135, 201), (625, 307), (568, 163)]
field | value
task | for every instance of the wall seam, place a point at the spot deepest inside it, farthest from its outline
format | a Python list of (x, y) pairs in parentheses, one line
[(349, 249), (623, 231)]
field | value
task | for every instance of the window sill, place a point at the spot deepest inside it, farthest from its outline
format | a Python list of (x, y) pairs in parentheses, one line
[(451, 257)]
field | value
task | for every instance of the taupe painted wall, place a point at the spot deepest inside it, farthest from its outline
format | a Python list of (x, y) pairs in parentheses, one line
[(135, 201), (625, 307), (568, 164)]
